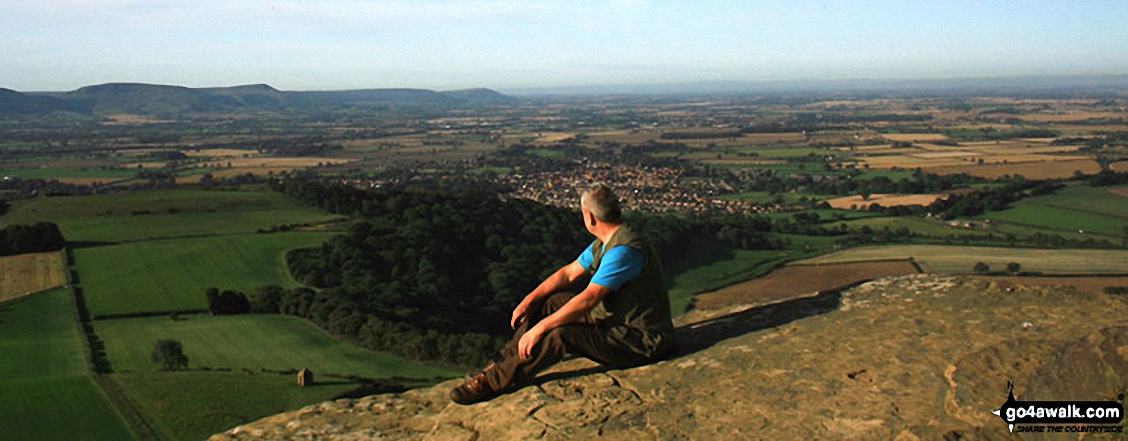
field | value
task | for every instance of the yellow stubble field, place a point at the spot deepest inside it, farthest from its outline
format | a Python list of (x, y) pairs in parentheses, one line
[(1033, 158), (884, 200), (261, 166), (24, 274), (1030, 170), (914, 137)]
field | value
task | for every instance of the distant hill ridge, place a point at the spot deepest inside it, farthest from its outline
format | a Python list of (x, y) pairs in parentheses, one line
[(158, 99), (16, 103)]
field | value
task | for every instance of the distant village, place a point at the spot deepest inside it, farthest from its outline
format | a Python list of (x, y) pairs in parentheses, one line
[(650, 189)]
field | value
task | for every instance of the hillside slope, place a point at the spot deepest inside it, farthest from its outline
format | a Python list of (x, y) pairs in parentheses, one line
[(158, 99), (16, 103), (911, 357)]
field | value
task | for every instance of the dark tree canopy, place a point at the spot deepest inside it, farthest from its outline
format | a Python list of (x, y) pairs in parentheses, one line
[(227, 302), (35, 238), (169, 355), (434, 275), (449, 261)]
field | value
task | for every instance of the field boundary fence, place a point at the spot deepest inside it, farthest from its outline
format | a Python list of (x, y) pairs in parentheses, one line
[(97, 363), (147, 314)]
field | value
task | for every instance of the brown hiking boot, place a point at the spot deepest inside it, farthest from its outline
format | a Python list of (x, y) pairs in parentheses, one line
[(474, 390)]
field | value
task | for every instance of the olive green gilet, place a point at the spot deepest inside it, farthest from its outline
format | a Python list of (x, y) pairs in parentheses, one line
[(638, 314)]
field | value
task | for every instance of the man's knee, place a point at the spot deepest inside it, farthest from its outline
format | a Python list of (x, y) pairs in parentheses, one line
[(556, 341), (554, 338), (555, 301)]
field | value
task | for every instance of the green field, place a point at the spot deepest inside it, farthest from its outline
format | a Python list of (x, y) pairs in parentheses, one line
[(800, 168), (192, 406), (159, 226), (784, 152), (917, 225), (939, 229), (59, 173), (546, 153), (816, 244), (494, 170), (957, 259), (160, 251), (826, 215), (47, 392), (764, 197), (1076, 208), (173, 274), (1025, 230), (162, 214), (20, 145), (259, 341)]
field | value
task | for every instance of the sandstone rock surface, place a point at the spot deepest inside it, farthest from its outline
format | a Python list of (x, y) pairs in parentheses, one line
[(906, 358)]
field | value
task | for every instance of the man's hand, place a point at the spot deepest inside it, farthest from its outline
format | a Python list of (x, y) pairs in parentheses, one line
[(518, 315), (557, 281), (528, 341)]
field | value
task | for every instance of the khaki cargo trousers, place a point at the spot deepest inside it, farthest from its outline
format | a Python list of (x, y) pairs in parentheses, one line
[(582, 339)]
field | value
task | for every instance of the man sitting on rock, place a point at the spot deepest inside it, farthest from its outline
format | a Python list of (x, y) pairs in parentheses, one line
[(621, 319)]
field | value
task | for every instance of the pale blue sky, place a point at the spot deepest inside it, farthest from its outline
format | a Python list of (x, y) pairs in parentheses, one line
[(345, 44)]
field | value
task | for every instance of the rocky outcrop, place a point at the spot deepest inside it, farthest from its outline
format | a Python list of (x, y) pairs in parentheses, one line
[(906, 358)]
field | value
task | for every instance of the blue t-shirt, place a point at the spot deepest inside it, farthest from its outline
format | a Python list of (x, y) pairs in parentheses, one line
[(620, 265)]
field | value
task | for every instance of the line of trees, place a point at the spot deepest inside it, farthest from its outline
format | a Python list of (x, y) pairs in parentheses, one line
[(339, 314), (991, 199), (228, 302), (35, 238), (767, 180), (982, 268)]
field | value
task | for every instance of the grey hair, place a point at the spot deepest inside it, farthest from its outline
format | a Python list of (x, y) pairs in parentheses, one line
[(600, 201)]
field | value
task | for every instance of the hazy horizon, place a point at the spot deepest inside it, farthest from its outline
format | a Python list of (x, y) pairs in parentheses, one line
[(60, 45)]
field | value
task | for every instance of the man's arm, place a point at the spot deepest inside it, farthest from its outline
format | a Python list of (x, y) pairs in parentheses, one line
[(575, 310), (557, 281)]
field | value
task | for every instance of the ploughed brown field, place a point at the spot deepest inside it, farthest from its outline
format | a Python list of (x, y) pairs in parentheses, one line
[(1088, 284), (29, 273), (793, 281), (884, 200)]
